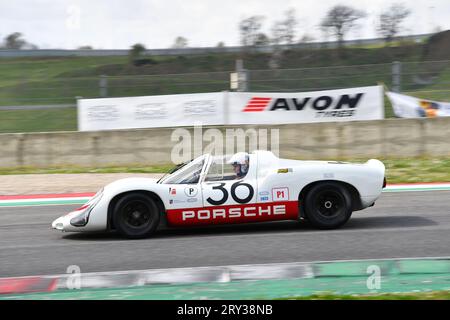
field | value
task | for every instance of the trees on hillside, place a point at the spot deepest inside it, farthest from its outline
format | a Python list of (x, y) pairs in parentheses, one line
[(136, 51), (16, 41), (249, 30), (262, 39), (284, 31), (180, 42), (339, 20), (290, 24), (390, 20), (337, 23)]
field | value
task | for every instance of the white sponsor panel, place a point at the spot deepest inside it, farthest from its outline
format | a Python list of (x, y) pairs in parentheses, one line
[(364, 103), (150, 111), (411, 107)]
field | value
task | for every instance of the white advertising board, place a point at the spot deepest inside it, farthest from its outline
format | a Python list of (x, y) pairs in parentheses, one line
[(365, 103), (230, 108), (150, 111)]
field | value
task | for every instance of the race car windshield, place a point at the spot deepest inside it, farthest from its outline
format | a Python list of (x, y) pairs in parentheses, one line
[(189, 173), (174, 169)]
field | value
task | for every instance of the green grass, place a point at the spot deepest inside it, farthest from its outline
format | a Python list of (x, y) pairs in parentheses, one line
[(397, 170), (380, 45), (64, 119), (74, 169), (31, 81), (60, 80), (17, 70), (432, 295), (417, 170)]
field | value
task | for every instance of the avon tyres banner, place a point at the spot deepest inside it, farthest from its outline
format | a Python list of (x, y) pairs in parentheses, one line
[(365, 103), (150, 111), (411, 107), (229, 108)]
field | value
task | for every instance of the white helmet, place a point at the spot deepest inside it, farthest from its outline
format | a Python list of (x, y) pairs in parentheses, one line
[(239, 158)]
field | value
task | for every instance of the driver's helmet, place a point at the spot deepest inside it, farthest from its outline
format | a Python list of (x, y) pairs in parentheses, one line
[(240, 159)]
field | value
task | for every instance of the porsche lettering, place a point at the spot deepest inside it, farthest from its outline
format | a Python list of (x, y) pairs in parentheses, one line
[(236, 212)]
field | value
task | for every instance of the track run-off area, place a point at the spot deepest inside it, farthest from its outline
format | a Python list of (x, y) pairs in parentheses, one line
[(407, 221)]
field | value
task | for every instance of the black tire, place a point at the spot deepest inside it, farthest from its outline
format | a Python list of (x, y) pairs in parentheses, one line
[(136, 216), (328, 205)]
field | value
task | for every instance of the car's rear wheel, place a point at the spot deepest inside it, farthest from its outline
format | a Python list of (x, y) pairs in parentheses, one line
[(328, 205), (136, 216)]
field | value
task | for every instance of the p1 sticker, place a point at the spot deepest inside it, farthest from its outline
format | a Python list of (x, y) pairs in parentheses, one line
[(280, 194)]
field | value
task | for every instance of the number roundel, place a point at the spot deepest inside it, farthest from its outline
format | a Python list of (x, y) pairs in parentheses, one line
[(246, 199), (224, 191)]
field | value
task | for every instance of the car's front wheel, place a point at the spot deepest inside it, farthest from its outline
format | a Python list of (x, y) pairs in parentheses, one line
[(136, 216), (328, 205)]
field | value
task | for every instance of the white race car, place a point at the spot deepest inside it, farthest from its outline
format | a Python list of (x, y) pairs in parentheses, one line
[(240, 188)]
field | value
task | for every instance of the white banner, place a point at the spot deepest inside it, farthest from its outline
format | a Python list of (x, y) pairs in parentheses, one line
[(365, 103), (223, 108), (151, 111), (411, 107)]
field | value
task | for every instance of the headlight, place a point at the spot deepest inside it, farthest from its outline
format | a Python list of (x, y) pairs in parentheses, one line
[(81, 219)]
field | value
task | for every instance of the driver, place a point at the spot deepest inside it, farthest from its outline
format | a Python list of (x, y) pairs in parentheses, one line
[(240, 163)]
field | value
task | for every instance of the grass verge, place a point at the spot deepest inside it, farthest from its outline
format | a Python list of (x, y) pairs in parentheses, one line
[(75, 170), (407, 170), (14, 121), (417, 170), (432, 295)]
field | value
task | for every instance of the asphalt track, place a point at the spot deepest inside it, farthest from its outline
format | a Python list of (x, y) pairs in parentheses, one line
[(400, 225)]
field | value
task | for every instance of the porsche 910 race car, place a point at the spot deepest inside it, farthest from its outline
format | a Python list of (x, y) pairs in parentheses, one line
[(241, 188)]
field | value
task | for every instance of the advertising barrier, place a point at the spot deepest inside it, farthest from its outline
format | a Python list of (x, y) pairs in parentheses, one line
[(150, 111), (411, 107), (365, 103), (230, 108)]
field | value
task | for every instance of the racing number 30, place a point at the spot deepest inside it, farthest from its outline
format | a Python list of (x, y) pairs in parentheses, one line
[(233, 193)]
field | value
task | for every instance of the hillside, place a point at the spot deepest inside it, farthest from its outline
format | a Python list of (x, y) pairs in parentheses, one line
[(47, 81), (60, 80)]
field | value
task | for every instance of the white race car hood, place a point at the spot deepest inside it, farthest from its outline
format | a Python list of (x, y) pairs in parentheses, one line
[(132, 182)]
